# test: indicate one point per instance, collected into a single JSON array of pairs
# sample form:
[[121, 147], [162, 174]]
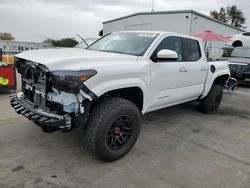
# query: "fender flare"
[[112, 85], [211, 79]]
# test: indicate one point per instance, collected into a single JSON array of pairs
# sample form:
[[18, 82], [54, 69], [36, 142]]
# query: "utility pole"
[[153, 2]]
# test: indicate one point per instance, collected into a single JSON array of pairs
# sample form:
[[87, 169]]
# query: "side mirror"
[[167, 55]]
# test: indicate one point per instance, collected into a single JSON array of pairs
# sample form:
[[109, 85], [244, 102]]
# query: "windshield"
[[125, 43], [237, 52]]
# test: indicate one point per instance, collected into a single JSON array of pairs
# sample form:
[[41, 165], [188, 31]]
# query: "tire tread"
[[205, 104], [97, 116]]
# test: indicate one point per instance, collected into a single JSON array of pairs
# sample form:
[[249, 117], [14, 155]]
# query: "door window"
[[170, 43], [191, 50]]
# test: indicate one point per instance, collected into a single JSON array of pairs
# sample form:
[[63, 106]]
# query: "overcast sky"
[[36, 20]]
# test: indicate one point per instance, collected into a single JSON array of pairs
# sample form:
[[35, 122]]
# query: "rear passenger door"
[[196, 68]]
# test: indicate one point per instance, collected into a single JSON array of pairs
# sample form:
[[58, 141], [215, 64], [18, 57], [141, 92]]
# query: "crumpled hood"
[[74, 58]]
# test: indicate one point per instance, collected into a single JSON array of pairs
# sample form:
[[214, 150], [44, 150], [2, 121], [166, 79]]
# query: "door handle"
[[183, 69], [203, 68]]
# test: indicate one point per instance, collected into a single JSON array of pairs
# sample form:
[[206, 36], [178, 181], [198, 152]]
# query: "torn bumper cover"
[[47, 120]]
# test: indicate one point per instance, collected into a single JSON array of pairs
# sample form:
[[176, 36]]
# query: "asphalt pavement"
[[178, 147]]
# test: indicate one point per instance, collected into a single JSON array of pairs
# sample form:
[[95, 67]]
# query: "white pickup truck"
[[106, 88]]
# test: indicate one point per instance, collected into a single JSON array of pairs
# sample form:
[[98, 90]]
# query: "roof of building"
[[173, 12]]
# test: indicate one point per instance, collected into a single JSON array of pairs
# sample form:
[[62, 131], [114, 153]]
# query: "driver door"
[[168, 78]]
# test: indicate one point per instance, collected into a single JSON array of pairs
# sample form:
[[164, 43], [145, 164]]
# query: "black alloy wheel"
[[119, 133]]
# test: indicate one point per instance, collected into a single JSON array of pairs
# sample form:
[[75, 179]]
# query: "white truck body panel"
[[163, 84], [221, 69]]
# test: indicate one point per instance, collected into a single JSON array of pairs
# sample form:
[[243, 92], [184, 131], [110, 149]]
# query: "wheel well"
[[221, 80], [133, 94], [237, 43]]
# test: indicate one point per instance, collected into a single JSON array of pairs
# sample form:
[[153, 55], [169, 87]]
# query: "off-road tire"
[[100, 123], [211, 102]]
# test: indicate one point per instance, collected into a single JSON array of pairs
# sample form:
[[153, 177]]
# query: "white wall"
[[159, 22], [177, 22]]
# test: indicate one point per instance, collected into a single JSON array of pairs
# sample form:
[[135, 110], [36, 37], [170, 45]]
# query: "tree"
[[50, 41], [230, 15], [6, 36], [66, 42]]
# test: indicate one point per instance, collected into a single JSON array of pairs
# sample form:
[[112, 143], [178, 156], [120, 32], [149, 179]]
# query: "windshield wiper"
[[111, 51]]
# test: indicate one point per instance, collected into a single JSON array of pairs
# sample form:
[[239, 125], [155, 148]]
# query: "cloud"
[[36, 20]]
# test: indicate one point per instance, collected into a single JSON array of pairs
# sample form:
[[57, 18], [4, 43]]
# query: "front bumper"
[[47, 120], [239, 70]]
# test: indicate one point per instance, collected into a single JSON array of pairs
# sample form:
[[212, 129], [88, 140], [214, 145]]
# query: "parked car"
[[239, 62], [107, 87], [242, 39], [83, 44]]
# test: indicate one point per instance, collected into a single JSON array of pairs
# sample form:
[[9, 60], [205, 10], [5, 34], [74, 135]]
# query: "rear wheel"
[[211, 103], [113, 128]]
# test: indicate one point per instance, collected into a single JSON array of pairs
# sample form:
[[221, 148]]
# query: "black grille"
[[237, 69], [34, 84]]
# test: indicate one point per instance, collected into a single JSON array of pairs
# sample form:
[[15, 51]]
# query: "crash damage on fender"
[[53, 99]]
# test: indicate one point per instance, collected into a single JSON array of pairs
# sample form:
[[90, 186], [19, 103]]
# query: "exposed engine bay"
[[71, 103], [59, 92]]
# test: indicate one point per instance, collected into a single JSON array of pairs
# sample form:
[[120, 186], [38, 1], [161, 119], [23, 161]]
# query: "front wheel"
[[211, 103], [113, 128]]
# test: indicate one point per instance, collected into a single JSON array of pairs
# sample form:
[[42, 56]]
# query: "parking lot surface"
[[178, 147]]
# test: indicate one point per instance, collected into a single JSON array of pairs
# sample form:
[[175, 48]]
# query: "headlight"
[[70, 80]]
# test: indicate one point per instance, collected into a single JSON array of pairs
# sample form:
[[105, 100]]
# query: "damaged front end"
[[53, 100]]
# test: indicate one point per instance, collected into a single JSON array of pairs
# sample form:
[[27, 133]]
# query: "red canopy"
[[211, 36]]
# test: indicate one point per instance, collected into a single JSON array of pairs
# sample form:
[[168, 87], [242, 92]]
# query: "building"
[[17, 46], [189, 22], [182, 21]]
